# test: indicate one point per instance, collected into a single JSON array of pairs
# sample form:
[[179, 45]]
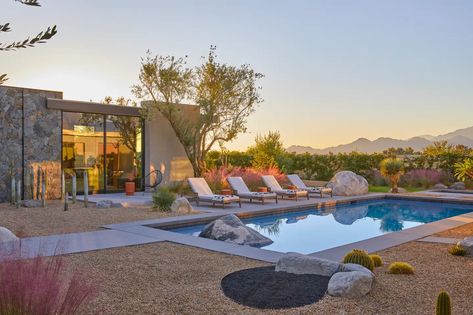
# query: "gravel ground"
[[166, 278], [53, 220], [459, 232]]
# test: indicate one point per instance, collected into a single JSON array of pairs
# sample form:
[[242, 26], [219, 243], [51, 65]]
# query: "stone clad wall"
[[24, 118]]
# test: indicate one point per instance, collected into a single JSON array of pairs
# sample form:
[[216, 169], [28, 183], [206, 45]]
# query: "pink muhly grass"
[[217, 178], [40, 286]]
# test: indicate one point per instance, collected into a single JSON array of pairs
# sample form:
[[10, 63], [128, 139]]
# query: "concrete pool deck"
[[150, 231]]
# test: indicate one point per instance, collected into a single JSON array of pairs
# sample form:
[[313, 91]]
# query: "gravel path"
[[166, 278], [53, 220]]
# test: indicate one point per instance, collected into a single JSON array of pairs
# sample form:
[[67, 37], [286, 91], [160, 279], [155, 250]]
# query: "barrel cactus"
[[400, 268], [360, 257], [377, 261], [457, 250], [444, 306]]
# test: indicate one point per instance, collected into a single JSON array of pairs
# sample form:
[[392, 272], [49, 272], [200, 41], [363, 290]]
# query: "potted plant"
[[130, 186]]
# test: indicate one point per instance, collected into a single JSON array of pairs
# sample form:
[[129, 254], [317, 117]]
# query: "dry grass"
[[463, 231], [53, 220], [166, 278]]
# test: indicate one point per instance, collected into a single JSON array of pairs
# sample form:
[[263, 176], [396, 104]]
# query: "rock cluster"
[[347, 280], [230, 229]]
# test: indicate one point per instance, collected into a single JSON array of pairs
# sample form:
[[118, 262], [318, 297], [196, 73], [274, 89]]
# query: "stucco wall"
[[30, 135], [163, 151]]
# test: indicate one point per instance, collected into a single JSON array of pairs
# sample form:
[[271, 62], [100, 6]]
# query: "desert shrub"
[[423, 177], [457, 250], [41, 286], [443, 306], [163, 199], [180, 187], [392, 168], [360, 257], [377, 260], [400, 268]]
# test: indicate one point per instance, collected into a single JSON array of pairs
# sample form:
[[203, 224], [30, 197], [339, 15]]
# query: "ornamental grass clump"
[[457, 250], [400, 268], [377, 260], [360, 257], [163, 199], [41, 286], [444, 306]]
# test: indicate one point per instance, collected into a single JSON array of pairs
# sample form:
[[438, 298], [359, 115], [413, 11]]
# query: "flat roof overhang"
[[91, 107]]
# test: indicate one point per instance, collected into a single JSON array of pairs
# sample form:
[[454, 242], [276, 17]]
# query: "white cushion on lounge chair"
[[199, 186], [255, 194], [220, 198], [273, 184], [238, 185], [297, 181]]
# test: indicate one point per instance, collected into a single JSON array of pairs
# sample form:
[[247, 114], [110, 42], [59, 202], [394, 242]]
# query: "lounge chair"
[[297, 181], [204, 194], [241, 190], [274, 186]]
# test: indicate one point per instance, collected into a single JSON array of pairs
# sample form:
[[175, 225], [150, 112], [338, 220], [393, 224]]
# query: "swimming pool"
[[314, 230]]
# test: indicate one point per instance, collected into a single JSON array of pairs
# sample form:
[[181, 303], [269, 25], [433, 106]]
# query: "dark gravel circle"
[[267, 289]]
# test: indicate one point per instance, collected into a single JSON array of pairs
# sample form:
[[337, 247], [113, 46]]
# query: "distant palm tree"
[[392, 168]]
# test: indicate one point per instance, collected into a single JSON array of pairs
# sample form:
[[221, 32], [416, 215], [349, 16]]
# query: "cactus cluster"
[[443, 304], [400, 268], [457, 250], [377, 261], [360, 257]]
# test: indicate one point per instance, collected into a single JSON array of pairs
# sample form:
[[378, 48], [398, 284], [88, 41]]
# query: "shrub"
[[400, 268], [180, 188], [163, 199], [360, 257], [457, 250], [41, 286], [424, 178], [377, 261], [444, 306]]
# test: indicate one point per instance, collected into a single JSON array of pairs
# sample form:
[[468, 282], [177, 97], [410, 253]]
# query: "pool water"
[[313, 230]]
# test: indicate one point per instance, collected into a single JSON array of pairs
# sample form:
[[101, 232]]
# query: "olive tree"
[[226, 96], [40, 38]]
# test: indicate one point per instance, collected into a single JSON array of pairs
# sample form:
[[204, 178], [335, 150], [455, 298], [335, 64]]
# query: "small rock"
[[347, 183], [104, 204], [6, 235], [303, 264], [182, 206], [230, 229], [457, 186], [467, 244], [400, 190], [440, 186], [32, 203], [351, 284]]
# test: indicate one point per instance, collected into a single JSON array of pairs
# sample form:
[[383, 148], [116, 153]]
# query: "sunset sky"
[[334, 70]]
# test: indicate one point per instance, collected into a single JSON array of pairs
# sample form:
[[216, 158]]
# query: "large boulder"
[[304, 264], [6, 235], [457, 186], [355, 267], [230, 229], [181, 206], [347, 183], [348, 215], [467, 244], [351, 284]]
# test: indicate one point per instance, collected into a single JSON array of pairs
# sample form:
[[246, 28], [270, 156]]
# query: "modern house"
[[39, 129]]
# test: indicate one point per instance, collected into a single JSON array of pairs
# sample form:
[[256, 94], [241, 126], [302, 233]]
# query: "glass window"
[[124, 152], [82, 150]]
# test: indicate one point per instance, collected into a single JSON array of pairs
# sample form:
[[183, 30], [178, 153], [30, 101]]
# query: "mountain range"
[[461, 136]]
